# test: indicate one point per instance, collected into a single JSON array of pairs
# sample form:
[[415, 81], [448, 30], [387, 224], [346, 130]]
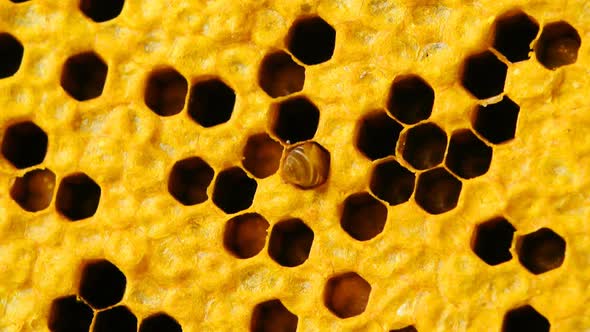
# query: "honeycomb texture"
[[142, 173]]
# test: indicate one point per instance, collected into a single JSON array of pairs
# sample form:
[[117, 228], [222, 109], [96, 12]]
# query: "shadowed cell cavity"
[[101, 10], [68, 314], [424, 146], [437, 191], [272, 316], [11, 55], [159, 322], [391, 182], [233, 190], [189, 180], [558, 45], [377, 135], [262, 155], [514, 33], [211, 102], [294, 120], [363, 216], [34, 190], [290, 242], [24, 144], [245, 235], [525, 318], [497, 122], [84, 75], [102, 284], [492, 240], [468, 157], [346, 295], [410, 99], [77, 197], [484, 75], [165, 91], [541, 251], [279, 75], [311, 40]]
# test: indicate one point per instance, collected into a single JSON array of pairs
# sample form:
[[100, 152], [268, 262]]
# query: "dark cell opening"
[[484, 75], [363, 217], [67, 314], [410, 99], [101, 10], [272, 316], [102, 284], [77, 197], [34, 191], [525, 318], [558, 45], [279, 75], [245, 235], [159, 322], [437, 191], [290, 242], [117, 319], [262, 155], [294, 120], [189, 180], [410, 328], [211, 102], [311, 40], [423, 146], [165, 92], [24, 144], [377, 135], [468, 156], [11, 55], [392, 182], [83, 76], [492, 240], [541, 251], [514, 34], [306, 166], [18, 1], [234, 191], [347, 295], [496, 122]]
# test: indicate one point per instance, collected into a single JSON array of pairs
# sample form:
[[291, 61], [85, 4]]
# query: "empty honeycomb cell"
[[233, 190], [363, 217], [24, 144], [492, 240], [18, 1], [290, 242], [311, 40], [101, 10], [410, 328], [262, 155], [541, 251], [558, 45], [424, 146], [68, 314], [306, 166], [294, 120], [514, 33], [77, 197], [165, 91], [346, 295], [159, 322], [279, 75], [437, 191], [525, 318], [392, 182], [211, 102], [84, 75], [11, 55], [189, 180], [117, 319], [496, 122], [272, 316], [34, 190], [484, 75], [377, 135], [468, 157], [245, 235], [102, 284], [410, 99]]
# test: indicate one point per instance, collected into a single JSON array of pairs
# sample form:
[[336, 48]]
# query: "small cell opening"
[[437, 191], [363, 217], [347, 295], [165, 92], [245, 235], [234, 191], [24, 144], [484, 75], [18, 1], [189, 180], [77, 197], [34, 191], [159, 322], [295, 120], [410, 99], [290, 242], [410, 328], [468, 156], [424, 146], [211, 103], [117, 319], [11, 55], [558, 45], [541, 251], [312, 40], [272, 316], [492, 241], [514, 34], [83, 76], [67, 314], [279, 75], [392, 182], [262, 155], [102, 284], [101, 10], [525, 318], [496, 122], [377, 135]]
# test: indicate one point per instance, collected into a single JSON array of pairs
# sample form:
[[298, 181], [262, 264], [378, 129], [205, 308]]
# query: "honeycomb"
[[308, 165]]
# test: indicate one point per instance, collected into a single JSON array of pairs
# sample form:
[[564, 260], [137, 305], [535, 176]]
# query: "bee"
[[306, 165]]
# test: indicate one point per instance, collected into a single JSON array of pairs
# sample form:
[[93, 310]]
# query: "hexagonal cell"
[[77, 197], [34, 191], [211, 102], [189, 180], [410, 328], [377, 135], [311, 40], [294, 120], [234, 191], [410, 99], [102, 284], [541, 251], [24, 144], [437, 191], [11, 55], [272, 316], [306, 166], [363, 217], [558, 45], [484, 75], [101, 10], [514, 33], [468, 157], [245, 235], [290, 242], [525, 318], [165, 91], [496, 122], [117, 319], [159, 322], [346, 295], [18, 1], [84, 75], [262, 155], [392, 182], [68, 314], [492, 240], [279, 75], [424, 146]]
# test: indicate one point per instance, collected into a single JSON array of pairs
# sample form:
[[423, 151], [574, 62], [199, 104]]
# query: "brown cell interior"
[[83, 76], [392, 182], [437, 191], [165, 92], [377, 135], [311, 40], [492, 240], [541, 251], [514, 33], [245, 235], [272, 316], [189, 180], [497, 122], [117, 319], [558, 45], [233, 190], [363, 217], [294, 120], [101, 10], [424, 146], [11, 55], [262, 155], [34, 191], [279, 75], [159, 322], [102, 284], [211, 102], [468, 157], [347, 295], [290, 242], [484, 75], [24, 144], [77, 197], [410, 99]]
